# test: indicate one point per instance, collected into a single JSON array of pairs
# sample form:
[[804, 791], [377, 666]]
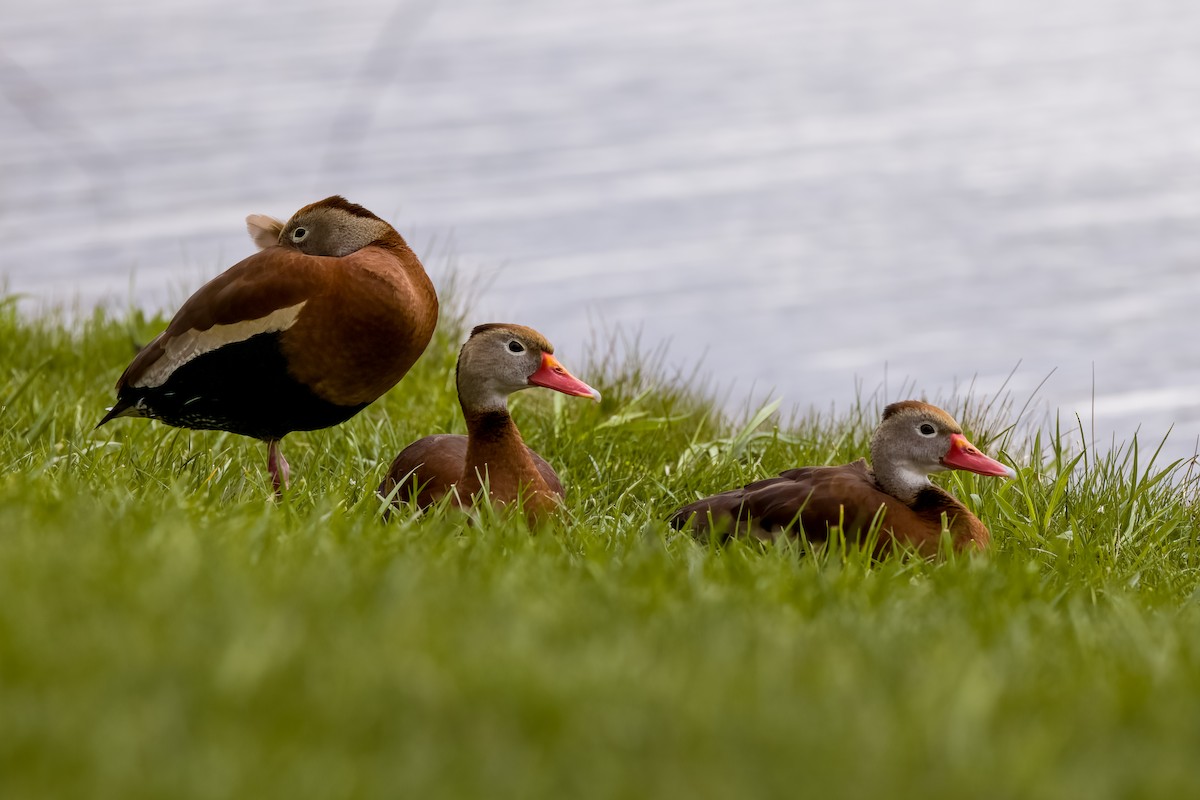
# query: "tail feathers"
[[263, 230], [123, 408]]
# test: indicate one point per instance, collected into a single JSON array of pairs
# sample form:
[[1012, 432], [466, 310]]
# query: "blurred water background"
[[805, 195]]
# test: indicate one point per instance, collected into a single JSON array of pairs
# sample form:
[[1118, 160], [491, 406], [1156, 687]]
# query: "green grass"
[[167, 630]]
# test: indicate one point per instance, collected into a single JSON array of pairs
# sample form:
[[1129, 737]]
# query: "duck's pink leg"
[[278, 467]]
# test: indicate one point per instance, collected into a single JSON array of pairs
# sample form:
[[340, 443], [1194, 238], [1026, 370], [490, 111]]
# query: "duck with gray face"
[[498, 360], [913, 440], [302, 335]]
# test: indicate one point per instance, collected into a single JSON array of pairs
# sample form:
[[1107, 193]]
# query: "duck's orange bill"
[[554, 375], [964, 455]]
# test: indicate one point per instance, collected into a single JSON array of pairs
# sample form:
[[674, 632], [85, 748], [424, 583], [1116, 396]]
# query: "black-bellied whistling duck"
[[302, 335], [913, 440], [497, 360]]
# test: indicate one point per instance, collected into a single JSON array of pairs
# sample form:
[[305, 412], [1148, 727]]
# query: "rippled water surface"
[[809, 194]]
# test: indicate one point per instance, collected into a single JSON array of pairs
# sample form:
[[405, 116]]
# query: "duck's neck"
[[900, 479], [497, 454]]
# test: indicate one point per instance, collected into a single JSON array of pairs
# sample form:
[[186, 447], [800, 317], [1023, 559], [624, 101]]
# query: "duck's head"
[[332, 227], [501, 358], [915, 439]]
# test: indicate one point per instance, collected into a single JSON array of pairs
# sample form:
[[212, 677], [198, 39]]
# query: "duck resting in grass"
[[913, 440], [497, 360]]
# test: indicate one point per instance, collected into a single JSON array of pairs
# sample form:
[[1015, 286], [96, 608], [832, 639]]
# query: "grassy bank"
[[166, 630]]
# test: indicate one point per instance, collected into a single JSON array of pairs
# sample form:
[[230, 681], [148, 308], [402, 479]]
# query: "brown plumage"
[[913, 440], [299, 336], [497, 360]]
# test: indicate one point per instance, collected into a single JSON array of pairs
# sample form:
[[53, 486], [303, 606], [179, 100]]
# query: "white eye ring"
[[926, 430], [516, 347], [299, 234]]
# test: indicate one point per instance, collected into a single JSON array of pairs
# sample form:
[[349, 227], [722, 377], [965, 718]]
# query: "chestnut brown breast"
[[370, 318], [430, 468]]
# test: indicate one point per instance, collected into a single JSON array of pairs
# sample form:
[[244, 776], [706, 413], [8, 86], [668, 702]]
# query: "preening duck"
[[497, 360], [913, 440], [303, 335]]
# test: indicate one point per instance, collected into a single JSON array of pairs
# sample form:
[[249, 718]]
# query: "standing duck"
[[302, 335], [913, 440], [497, 360]]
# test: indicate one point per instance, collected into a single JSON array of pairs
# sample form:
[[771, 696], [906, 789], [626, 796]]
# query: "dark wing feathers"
[[813, 497], [426, 469], [548, 474], [251, 289]]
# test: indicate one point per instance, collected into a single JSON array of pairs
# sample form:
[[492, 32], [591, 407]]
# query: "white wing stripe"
[[181, 349]]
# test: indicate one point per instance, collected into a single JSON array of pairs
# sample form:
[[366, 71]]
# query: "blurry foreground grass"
[[168, 631]]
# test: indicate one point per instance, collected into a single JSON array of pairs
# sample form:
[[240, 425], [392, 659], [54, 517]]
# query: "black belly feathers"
[[243, 387]]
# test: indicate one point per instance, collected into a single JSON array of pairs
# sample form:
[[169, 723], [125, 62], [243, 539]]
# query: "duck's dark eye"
[[927, 429], [299, 234], [516, 347]]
